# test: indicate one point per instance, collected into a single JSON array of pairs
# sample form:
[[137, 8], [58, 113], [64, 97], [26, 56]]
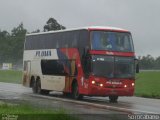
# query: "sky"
[[141, 17]]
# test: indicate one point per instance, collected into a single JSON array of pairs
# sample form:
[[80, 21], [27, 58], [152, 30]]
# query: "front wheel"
[[75, 92], [66, 94], [113, 99]]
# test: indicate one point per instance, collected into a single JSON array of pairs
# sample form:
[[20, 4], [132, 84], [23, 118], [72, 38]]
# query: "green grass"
[[148, 84], [11, 76], [27, 112]]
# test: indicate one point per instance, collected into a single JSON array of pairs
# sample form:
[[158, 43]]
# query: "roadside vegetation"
[[12, 41], [27, 112], [148, 84], [10, 76]]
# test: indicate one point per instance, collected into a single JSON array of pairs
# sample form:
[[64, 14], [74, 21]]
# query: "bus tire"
[[33, 85], [113, 99], [65, 94], [45, 92], [75, 92], [38, 87]]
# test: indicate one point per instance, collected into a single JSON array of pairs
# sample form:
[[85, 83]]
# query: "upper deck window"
[[112, 41]]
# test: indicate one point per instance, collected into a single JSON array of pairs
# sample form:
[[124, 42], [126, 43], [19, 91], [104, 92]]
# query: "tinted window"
[[52, 67], [124, 67], [58, 67], [69, 39], [103, 66], [113, 67]]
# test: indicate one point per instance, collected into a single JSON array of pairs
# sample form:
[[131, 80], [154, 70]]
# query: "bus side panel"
[[49, 82], [75, 68]]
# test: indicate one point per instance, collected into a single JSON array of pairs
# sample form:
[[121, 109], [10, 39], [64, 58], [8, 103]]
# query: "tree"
[[36, 31], [52, 24], [17, 42], [19, 30], [147, 62], [4, 34], [157, 63]]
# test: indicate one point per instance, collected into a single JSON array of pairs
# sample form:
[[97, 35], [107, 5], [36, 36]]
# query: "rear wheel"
[[39, 90], [45, 92], [38, 87], [33, 85], [75, 91], [113, 99]]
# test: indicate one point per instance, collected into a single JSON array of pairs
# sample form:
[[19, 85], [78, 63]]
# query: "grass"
[[27, 112], [10, 76], [148, 84]]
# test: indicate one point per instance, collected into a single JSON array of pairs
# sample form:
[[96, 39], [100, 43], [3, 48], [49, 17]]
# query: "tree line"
[[148, 62], [12, 43]]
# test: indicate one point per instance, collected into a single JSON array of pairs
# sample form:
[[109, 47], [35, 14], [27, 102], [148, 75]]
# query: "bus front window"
[[103, 66], [113, 67], [124, 67], [113, 41]]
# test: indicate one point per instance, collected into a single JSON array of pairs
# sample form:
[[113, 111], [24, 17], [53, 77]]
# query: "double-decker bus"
[[90, 61]]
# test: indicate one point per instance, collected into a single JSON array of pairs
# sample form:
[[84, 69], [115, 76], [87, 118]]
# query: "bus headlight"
[[101, 85], [125, 86], [132, 84], [93, 82]]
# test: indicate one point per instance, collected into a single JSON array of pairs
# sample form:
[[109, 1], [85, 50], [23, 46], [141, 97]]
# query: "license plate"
[[114, 82]]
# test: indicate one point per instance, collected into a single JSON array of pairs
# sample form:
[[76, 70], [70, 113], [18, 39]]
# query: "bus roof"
[[83, 28]]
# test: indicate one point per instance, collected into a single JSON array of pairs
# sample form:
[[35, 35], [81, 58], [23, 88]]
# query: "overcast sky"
[[141, 17]]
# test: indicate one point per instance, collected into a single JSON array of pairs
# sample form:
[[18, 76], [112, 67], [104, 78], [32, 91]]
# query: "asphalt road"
[[96, 107]]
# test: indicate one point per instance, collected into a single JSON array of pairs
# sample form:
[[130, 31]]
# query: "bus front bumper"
[[102, 91]]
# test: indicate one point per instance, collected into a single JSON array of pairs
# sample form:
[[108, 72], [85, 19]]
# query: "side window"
[[75, 39], [127, 45], [95, 39], [58, 67], [52, 67]]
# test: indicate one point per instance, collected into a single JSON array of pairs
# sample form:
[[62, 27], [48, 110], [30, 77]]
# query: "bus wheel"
[[75, 92], [33, 85], [38, 87], [113, 99], [45, 92]]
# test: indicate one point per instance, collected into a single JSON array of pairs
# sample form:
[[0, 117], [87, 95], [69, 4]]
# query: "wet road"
[[90, 105]]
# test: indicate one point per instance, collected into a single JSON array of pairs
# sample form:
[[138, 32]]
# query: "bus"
[[89, 61]]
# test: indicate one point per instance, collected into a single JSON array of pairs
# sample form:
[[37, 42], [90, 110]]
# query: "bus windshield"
[[113, 67], [112, 41]]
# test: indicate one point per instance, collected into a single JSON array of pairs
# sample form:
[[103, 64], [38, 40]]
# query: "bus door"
[[26, 73], [71, 75]]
